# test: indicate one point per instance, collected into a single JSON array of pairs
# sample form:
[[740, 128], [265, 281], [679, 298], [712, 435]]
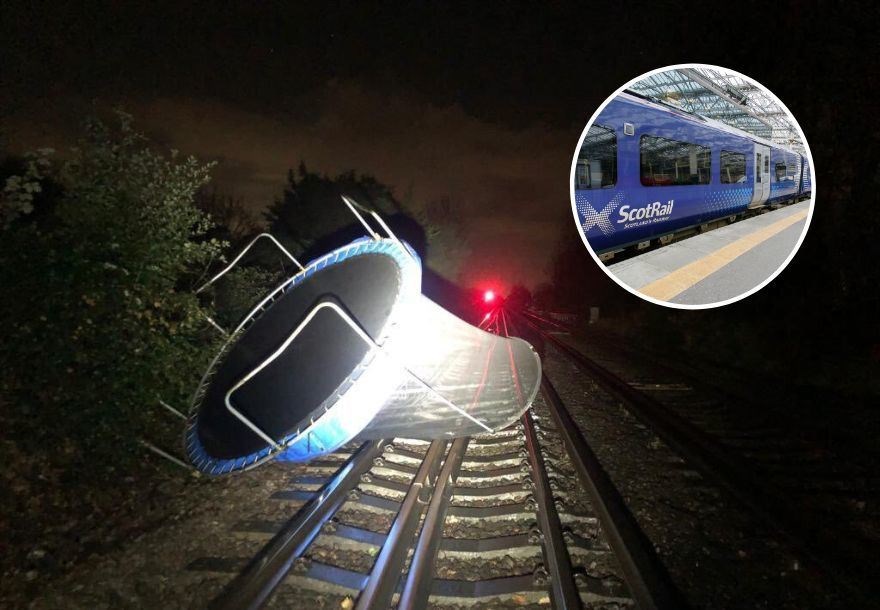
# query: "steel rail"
[[417, 587], [534, 316], [702, 451], [386, 570], [252, 588], [563, 588], [647, 578]]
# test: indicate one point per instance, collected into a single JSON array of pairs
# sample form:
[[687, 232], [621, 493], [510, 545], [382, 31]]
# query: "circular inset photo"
[[692, 186]]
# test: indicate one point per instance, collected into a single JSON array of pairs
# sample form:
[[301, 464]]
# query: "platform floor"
[[717, 265]]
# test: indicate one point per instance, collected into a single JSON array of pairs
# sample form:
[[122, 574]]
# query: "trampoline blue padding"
[[322, 389]]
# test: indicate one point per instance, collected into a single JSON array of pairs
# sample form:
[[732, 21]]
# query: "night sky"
[[482, 106]]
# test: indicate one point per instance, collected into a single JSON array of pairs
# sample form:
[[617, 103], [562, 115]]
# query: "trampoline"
[[349, 348]]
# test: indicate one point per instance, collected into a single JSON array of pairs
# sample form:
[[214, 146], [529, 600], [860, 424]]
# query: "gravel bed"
[[369, 518], [483, 566], [469, 468], [505, 499], [478, 450], [717, 554], [298, 592], [530, 600], [488, 527], [602, 565], [343, 553], [150, 571], [465, 480]]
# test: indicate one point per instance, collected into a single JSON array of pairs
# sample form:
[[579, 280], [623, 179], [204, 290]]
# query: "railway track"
[[522, 517], [786, 478], [571, 507]]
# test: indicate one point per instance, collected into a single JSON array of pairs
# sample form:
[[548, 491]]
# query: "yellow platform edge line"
[[676, 282]]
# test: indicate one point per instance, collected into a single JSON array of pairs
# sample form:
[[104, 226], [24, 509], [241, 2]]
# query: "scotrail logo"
[[592, 218], [627, 215], [651, 211]]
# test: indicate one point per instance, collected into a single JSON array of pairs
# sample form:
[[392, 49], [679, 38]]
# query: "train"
[[648, 172]]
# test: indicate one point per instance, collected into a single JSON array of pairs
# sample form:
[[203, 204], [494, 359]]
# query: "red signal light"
[[489, 296]]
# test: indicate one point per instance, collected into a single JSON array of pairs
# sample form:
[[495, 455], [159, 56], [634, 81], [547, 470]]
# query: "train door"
[[804, 183], [801, 162], [762, 176]]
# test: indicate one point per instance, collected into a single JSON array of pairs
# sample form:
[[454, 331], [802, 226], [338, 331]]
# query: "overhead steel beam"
[[695, 76]]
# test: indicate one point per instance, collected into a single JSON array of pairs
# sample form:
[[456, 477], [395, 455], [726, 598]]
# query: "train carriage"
[[647, 171]]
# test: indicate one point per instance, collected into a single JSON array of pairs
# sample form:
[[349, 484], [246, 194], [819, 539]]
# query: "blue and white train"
[[647, 171]]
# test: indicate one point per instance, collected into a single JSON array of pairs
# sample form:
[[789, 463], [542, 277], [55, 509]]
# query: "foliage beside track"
[[99, 251], [99, 315]]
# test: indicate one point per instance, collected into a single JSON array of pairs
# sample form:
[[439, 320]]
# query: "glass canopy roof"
[[726, 97]]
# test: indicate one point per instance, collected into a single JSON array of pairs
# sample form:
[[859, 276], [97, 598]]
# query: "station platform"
[[717, 265]]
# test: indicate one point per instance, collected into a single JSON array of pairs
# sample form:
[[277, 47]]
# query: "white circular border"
[[769, 278]]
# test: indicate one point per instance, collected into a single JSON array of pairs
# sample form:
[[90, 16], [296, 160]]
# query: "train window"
[[669, 162], [766, 164], [780, 172], [597, 160], [733, 167], [758, 169]]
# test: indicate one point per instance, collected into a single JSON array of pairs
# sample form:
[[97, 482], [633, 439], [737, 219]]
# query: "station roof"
[[726, 97]]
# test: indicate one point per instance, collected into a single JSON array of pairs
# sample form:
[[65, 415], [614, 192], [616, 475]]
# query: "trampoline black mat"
[[283, 396]]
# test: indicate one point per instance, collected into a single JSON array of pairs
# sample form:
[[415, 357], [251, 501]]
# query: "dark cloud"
[[507, 184], [478, 103]]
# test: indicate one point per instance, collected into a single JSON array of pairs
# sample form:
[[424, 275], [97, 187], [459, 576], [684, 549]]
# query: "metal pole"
[[697, 77], [243, 252]]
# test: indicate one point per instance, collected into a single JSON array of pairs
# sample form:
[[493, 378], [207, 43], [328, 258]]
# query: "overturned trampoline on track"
[[349, 348]]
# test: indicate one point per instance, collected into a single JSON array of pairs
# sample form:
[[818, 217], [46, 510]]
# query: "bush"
[[99, 315]]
